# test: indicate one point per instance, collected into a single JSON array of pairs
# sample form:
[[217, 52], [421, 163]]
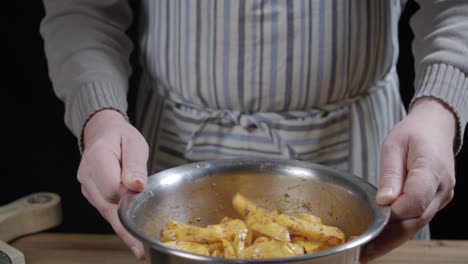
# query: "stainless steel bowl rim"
[[381, 220]]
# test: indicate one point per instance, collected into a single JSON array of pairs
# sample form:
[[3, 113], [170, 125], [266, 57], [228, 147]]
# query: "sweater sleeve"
[[440, 49], [88, 52]]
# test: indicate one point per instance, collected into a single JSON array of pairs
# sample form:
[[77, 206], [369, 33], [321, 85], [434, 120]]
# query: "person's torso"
[[268, 55]]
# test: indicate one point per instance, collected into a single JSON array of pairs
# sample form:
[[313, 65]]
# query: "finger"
[[392, 171], [419, 191], [135, 245], [102, 166], [109, 212], [134, 159]]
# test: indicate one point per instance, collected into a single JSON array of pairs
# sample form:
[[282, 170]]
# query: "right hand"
[[113, 162]]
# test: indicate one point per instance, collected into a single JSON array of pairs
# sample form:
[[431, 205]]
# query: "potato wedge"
[[249, 238], [263, 224], [212, 247], [331, 235], [244, 206], [225, 219], [310, 218], [310, 246], [217, 254], [271, 249], [168, 235], [190, 233], [229, 229], [261, 234], [228, 249], [263, 239], [189, 247]]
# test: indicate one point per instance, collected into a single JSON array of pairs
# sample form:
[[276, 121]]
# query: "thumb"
[[392, 172], [134, 159]]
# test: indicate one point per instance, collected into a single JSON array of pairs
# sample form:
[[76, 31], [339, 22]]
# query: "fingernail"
[[135, 178], [136, 182], [387, 191], [141, 184], [136, 251]]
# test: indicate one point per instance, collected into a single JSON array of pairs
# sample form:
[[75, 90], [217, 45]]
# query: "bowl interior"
[[202, 194]]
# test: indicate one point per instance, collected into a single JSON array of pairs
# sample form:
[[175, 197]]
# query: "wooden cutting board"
[[48, 248], [40, 211]]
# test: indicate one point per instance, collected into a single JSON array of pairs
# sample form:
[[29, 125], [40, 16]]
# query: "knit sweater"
[[88, 55]]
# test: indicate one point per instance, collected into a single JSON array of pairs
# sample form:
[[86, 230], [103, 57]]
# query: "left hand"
[[417, 175]]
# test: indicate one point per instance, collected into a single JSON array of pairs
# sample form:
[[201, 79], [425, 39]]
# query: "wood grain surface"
[[52, 248]]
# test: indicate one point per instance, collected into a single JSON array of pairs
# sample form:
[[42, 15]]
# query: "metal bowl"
[[201, 193]]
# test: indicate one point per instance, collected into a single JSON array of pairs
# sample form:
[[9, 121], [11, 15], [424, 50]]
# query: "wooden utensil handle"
[[10, 255], [30, 214]]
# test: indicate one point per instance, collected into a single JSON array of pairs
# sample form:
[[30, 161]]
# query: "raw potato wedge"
[[228, 249], [310, 218], [229, 229], [213, 247], [261, 234], [168, 235], [263, 224], [272, 249], [234, 231], [190, 247], [263, 239], [310, 246], [244, 206], [217, 254], [331, 235], [190, 233]]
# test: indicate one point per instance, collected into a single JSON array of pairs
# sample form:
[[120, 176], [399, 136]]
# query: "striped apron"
[[310, 80]]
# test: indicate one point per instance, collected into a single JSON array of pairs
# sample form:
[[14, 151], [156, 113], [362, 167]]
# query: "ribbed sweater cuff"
[[449, 85], [91, 98]]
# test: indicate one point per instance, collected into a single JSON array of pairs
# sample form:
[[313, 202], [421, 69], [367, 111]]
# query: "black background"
[[40, 154]]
